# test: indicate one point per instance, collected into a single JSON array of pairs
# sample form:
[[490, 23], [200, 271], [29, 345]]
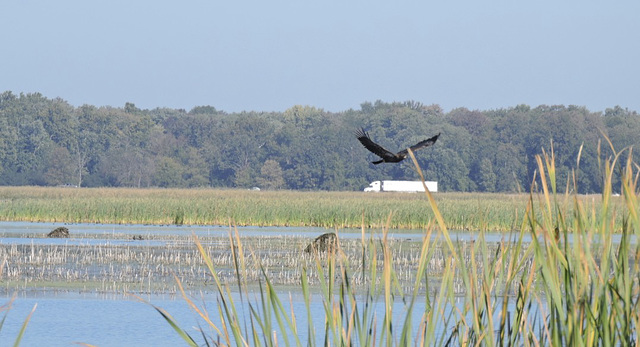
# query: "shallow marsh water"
[[69, 312], [112, 320], [101, 320], [76, 307], [143, 259]]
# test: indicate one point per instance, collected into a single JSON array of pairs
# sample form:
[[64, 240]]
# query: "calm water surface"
[[63, 320], [117, 321]]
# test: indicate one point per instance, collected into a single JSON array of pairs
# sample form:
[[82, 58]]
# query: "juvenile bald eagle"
[[387, 156]]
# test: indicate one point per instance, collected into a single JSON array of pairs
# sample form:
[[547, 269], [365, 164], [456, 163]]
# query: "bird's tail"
[[377, 162]]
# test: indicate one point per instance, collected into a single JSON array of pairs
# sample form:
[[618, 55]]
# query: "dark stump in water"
[[322, 243], [59, 232]]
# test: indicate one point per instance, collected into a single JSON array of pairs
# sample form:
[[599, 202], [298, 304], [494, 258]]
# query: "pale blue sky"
[[334, 55]]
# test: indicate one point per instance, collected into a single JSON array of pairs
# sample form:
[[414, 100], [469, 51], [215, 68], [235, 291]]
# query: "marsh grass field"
[[461, 211]]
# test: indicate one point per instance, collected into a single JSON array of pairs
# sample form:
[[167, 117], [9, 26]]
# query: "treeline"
[[50, 142]]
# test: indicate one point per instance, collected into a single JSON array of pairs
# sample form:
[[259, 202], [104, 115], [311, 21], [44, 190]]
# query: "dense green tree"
[[623, 127], [271, 175], [7, 140], [487, 178], [59, 169], [92, 138], [448, 169], [509, 168], [167, 173]]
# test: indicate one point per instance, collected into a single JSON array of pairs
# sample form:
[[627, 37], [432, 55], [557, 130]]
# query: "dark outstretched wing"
[[375, 148], [421, 144]]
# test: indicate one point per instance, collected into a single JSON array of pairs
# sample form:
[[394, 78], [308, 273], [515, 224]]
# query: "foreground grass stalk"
[[590, 295], [24, 326]]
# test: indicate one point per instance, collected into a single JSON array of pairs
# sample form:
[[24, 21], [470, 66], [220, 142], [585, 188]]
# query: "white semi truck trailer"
[[401, 186]]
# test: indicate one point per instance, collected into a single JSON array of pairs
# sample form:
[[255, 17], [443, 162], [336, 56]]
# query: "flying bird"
[[386, 155]]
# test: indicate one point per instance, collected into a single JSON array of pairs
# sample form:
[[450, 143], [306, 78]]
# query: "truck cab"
[[375, 186]]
